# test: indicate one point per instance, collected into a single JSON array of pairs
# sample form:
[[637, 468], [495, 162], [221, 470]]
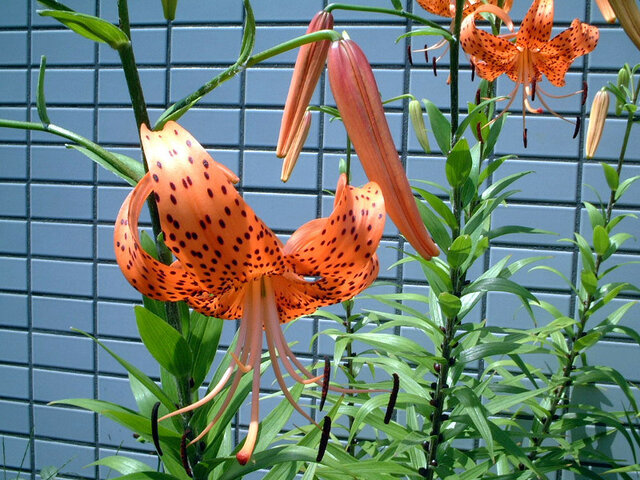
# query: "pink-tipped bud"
[[296, 147], [356, 93], [306, 73]]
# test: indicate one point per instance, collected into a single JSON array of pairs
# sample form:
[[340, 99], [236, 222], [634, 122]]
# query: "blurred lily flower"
[[230, 265], [533, 54], [606, 11], [628, 15]]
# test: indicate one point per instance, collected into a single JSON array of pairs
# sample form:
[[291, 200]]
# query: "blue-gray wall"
[[57, 267]]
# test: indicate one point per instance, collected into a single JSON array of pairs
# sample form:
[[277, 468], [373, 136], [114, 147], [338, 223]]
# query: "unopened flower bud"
[[597, 117], [417, 122], [624, 80], [628, 15], [296, 147], [607, 12]]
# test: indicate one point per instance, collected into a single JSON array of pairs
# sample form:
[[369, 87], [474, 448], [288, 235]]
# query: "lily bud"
[[417, 122], [356, 93], [597, 117], [624, 80], [629, 17], [306, 73], [607, 12], [296, 147]]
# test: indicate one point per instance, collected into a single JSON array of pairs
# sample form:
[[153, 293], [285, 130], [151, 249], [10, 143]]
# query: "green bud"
[[624, 80], [417, 121]]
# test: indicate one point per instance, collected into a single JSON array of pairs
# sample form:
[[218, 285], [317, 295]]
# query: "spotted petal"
[[340, 248], [535, 29], [557, 55], [147, 275], [212, 231]]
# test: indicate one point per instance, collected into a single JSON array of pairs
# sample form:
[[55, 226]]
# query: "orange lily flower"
[[447, 8], [232, 266], [533, 54], [356, 93], [308, 68]]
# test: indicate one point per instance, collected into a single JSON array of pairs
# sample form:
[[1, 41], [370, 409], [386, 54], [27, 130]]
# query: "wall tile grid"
[[57, 268]]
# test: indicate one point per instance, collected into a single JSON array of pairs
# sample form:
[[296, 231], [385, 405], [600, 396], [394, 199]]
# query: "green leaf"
[[123, 465], [611, 175], [499, 185], [397, 4], [458, 164], [497, 348], [136, 372], [169, 9], [127, 168], [494, 134], [435, 226], [585, 251], [492, 167], [164, 343], [476, 411], [426, 31], [589, 281], [41, 103], [438, 205], [596, 216], [499, 284], [459, 250], [515, 229], [624, 186], [203, 340], [601, 240], [450, 304], [90, 27], [440, 126], [587, 341], [147, 476]]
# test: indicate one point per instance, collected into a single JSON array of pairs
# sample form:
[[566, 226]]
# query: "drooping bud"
[[597, 117], [417, 122], [296, 147], [306, 73], [357, 97], [607, 12], [628, 15]]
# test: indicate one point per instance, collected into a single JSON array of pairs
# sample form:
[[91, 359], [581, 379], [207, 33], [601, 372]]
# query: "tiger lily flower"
[[308, 68], [533, 54], [356, 93], [230, 265]]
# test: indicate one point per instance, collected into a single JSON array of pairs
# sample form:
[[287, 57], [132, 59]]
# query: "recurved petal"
[[437, 7], [358, 99], [340, 248], [212, 231], [147, 275], [535, 29], [558, 54], [306, 73], [492, 55]]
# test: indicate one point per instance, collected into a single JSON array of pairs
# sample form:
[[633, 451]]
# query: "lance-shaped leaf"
[[90, 27]]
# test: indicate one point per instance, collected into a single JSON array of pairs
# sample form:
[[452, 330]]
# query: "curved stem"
[[384, 11], [176, 110]]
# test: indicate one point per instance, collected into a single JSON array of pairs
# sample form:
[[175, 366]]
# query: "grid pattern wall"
[[57, 267]]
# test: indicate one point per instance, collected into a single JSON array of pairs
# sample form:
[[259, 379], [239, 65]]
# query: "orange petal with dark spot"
[[535, 29], [150, 277], [216, 236], [358, 99], [306, 73]]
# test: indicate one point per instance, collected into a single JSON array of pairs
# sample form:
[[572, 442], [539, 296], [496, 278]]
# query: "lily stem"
[[351, 448], [562, 390], [141, 114], [457, 276], [385, 11]]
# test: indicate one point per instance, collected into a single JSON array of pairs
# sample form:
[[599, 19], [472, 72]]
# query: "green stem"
[[176, 110], [385, 11], [457, 275], [106, 155], [561, 392], [351, 448]]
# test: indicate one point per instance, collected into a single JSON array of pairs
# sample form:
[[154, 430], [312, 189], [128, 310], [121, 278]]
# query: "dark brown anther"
[[524, 137], [426, 446], [325, 381], [437, 367], [534, 82], [479, 133], [409, 55], [578, 124], [392, 398], [183, 453], [585, 92], [473, 71], [154, 428], [324, 439], [478, 97], [434, 65], [426, 53]]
